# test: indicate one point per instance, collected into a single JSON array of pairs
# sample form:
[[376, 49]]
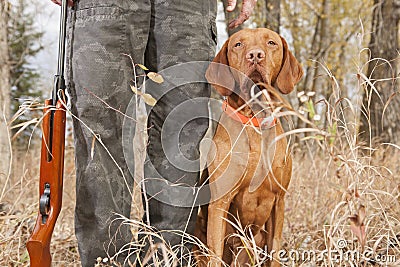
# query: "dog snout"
[[255, 55]]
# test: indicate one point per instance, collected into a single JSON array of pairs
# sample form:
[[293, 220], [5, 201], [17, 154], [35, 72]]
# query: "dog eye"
[[271, 43], [238, 44]]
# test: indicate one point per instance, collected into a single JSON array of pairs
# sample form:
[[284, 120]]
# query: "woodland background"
[[346, 181]]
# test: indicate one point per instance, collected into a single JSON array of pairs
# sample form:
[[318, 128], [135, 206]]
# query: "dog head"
[[254, 56]]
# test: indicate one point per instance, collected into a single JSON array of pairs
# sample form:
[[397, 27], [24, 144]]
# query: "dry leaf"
[[149, 100], [155, 77], [135, 90], [357, 225], [142, 67], [357, 195]]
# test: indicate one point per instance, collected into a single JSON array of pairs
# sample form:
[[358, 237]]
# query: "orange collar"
[[264, 123]]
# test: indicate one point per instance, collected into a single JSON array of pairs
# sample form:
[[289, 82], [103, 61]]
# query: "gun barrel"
[[59, 84]]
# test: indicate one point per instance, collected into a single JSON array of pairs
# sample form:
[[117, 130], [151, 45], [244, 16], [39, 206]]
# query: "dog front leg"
[[217, 214], [277, 225]]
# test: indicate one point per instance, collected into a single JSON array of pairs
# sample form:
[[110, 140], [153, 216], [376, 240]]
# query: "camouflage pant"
[[158, 34]]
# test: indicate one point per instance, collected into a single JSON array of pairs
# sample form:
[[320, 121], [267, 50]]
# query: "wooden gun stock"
[[50, 185]]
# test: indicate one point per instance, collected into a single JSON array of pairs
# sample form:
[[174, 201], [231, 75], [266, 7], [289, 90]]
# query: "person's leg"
[[100, 32], [181, 31]]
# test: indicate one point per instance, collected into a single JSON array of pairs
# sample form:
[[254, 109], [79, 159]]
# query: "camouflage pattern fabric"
[[158, 34]]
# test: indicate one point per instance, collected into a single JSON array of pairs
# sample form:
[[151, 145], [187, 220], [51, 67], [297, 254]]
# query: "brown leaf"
[[357, 225], [142, 67], [135, 90], [357, 195], [149, 100], [155, 77]]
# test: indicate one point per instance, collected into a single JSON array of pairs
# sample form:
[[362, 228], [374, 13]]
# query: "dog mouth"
[[256, 77], [257, 74]]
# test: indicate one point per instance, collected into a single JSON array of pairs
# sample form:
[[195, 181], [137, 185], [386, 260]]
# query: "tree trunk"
[[273, 17], [378, 124], [5, 152], [319, 82], [315, 78]]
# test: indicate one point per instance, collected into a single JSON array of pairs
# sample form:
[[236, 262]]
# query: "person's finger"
[[247, 10], [231, 5], [239, 20], [58, 2]]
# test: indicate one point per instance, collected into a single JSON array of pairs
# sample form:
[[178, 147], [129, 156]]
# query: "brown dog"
[[247, 180]]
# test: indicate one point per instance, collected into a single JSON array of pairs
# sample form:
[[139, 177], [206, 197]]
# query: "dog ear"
[[219, 75], [290, 73]]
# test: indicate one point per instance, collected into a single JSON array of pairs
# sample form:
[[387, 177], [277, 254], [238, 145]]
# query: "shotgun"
[[51, 161]]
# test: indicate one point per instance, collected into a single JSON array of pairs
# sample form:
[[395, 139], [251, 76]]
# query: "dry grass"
[[323, 196], [318, 205], [18, 211]]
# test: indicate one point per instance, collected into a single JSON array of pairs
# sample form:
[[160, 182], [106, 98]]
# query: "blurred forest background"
[[348, 49]]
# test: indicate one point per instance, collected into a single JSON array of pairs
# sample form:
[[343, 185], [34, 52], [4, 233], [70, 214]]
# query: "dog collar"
[[263, 123]]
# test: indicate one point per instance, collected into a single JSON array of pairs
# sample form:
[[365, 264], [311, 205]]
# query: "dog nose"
[[255, 55]]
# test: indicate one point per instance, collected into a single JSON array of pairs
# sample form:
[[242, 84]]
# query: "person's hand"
[[247, 9], [58, 2]]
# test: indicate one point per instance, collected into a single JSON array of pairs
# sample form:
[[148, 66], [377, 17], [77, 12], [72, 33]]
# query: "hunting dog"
[[247, 181]]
